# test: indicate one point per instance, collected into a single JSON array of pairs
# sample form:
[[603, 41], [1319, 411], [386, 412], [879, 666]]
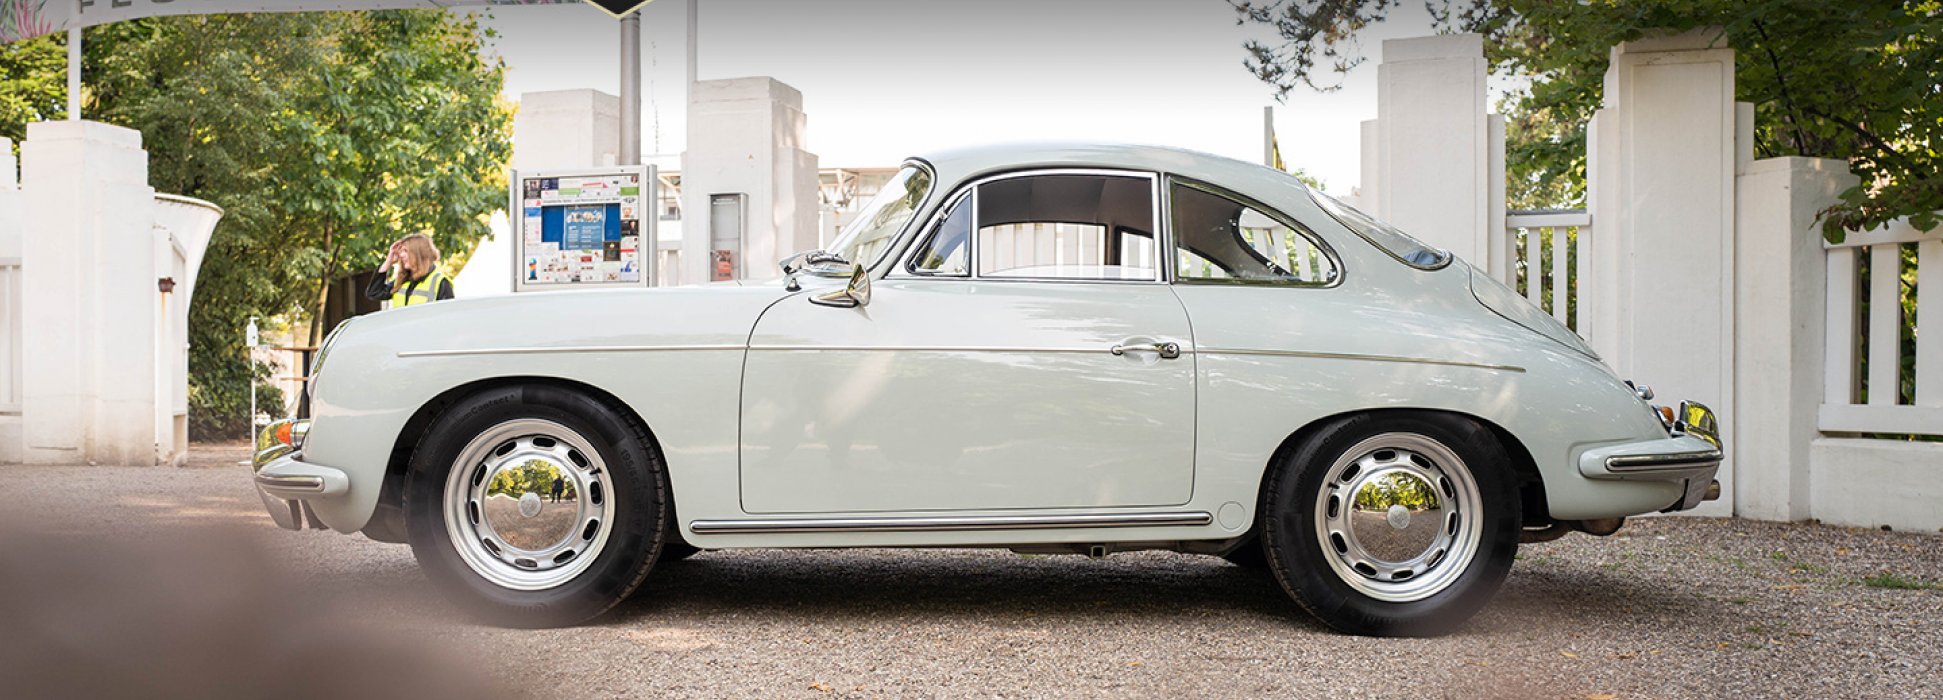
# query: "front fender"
[[672, 355]]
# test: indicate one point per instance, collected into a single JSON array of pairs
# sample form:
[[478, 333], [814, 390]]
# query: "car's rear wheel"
[[1393, 524], [536, 505]]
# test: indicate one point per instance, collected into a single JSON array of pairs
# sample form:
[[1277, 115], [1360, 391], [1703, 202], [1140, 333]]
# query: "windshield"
[[1392, 240], [870, 233]]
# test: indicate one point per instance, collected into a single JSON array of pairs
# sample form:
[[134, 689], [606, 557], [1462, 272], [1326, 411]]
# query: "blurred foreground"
[[163, 583]]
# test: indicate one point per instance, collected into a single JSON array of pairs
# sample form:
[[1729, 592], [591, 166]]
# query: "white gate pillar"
[[1661, 166], [1430, 171], [89, 297], [1780, 280], [746, 139]]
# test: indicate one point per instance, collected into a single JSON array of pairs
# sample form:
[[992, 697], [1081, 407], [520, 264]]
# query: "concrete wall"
[[1871, 483], [747, 136]]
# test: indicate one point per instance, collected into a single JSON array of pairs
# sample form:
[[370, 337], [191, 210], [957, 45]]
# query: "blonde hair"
[[423, 256]]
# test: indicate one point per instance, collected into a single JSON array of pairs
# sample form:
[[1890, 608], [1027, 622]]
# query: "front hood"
[[715, 316]]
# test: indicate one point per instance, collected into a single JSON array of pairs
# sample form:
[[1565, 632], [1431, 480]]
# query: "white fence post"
[[1779, 337]]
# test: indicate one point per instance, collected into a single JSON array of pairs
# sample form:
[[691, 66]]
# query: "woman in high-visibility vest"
[[418, 279]]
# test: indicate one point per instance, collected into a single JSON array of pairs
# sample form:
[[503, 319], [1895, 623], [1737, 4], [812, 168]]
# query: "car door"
[[1026, 356]]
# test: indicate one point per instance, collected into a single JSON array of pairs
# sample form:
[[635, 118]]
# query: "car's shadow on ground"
[[837, 587], [841, 585]]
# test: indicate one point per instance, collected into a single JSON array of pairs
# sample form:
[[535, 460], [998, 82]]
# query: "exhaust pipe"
[[1713, 491], [1601, 527]]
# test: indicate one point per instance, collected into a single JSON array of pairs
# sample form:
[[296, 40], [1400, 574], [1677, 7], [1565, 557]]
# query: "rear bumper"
[[1691, 454]]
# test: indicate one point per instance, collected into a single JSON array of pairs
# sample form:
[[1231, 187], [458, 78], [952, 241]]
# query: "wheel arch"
[[1531, 483], [387, 522]]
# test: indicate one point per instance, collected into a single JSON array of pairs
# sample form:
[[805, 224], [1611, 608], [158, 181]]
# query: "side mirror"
[[854, 294]]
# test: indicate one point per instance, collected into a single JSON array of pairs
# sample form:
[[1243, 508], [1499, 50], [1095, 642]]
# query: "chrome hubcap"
[[1399, 517], [527, 504]]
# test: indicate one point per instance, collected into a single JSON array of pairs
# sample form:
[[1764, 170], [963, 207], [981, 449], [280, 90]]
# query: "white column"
[[89, 297], [747, 136], [1662, 166], [1434, 143], [1779, 288], [567, 129], [1369, 186]]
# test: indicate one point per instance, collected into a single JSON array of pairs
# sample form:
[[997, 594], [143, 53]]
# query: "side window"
[[947, 250], [1219, 238], [1082, 227]]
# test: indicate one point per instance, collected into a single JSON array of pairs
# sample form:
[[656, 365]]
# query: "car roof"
[[956, 165]]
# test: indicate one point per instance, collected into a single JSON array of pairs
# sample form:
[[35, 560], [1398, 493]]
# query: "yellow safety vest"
[[426, 292]]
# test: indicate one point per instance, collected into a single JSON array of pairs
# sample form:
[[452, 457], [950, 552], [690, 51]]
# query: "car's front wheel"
[[1394, 523], [536, 505]]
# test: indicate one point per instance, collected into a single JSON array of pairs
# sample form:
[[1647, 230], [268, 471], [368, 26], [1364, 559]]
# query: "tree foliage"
[[33, 83], [322, 135], [1851, 80]]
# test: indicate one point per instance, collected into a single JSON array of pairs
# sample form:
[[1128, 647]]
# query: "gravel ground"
[[1670, 607]]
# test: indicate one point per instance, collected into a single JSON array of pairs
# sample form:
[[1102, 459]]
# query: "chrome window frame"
[[1163, 242], [898, 244], [1441, 264], [934, 224], [1293, 223]]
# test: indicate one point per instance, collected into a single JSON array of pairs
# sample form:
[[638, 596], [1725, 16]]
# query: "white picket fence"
[[1863, 390], [1549, 252], [10, 341]]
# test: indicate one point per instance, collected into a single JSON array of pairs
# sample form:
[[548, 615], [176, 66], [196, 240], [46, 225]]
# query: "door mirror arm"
[[854, 294]]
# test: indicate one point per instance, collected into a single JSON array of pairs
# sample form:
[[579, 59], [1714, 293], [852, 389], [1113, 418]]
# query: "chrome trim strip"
[[937, 348], [1674, 461], [1359, 356], [967, 522], [290, 483], [562, 349]]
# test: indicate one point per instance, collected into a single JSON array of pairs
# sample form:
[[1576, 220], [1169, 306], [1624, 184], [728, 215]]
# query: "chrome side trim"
[[563, 349], [1359, 356], [937, 348], [290, 484], [1674, 461], [967, 522]]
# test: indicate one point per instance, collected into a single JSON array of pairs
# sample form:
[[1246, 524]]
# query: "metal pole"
[[1268, 136], [694, 6], [631, 89], [74, 73]]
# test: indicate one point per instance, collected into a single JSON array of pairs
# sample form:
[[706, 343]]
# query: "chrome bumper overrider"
[[284, 481], [1691, 454]]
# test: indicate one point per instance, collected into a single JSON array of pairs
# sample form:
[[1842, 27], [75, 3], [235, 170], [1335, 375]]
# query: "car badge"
[[619, 8]]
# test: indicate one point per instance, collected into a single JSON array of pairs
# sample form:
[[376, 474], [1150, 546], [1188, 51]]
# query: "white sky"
[[885, 79]]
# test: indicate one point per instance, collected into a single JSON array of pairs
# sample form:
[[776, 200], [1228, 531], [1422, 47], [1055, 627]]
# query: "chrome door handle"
[[1167, 351]]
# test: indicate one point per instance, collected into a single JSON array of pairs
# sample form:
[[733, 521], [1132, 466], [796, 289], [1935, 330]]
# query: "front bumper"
[[286, 483], [1690, 454]]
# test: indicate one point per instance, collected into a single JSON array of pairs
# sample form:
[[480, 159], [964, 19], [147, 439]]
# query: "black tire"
[[634, 475], [1305, 559]]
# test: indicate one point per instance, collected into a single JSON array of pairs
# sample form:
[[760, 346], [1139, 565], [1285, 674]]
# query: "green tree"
[[33, 83], [1850, 80], [323, 136]]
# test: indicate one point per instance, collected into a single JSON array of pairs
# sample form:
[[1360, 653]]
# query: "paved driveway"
[[1672, 607]]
